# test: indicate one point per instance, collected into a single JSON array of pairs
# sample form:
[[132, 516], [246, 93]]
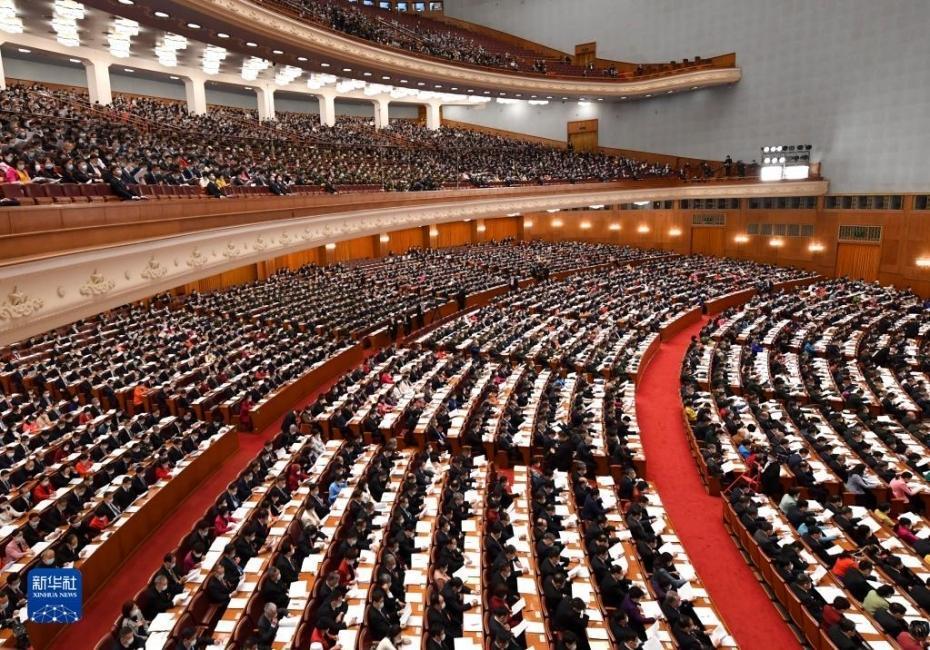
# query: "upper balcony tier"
[[416, 52]]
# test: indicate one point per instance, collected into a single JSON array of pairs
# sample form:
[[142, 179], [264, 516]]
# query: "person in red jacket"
[[43, 490], [346, 568]]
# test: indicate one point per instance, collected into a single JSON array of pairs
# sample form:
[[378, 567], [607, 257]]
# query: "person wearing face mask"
[[132, 618], [8, 514]]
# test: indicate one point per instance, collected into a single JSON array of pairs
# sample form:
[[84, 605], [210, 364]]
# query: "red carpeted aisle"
[[102, 610], [697, 517]]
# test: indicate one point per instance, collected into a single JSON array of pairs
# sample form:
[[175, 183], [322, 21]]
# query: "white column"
[[98, 81], [382, 118], [433, 116], [196, 92], [265, 97], [327, 109], [2, 75]]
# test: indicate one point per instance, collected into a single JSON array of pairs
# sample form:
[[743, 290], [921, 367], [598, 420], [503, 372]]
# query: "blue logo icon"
[[54, 595]]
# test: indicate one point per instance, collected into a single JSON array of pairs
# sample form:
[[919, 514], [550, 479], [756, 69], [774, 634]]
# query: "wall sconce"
[[642, 229], [816, 247], [481, 227], [527, 224], [674, 232], [615, 226], [433, 232], [556, 223], [923, 262], [330, 247], [585, 225], [741, 239], [776, 243], [384, 239]]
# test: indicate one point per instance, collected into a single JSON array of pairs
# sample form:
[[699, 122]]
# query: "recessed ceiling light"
[[173, 78], [251, 44], [565, 98], [421, 83], [347, 69], [277, 51], [162, 14], [366, 74], [301, 58], [437, 86], [454, 88], [624, 97], [519, 95], [600, 99], [324, 65], [222, 35], [548, 96], [648, 95], [403, 81], [128, 70], [248, 87], [487, 92], [670, 92], [126, 2], [75, 60], [24, 50], [193, 25], [385, 77]]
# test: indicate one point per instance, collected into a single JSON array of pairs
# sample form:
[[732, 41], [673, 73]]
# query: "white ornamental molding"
[[154, 269], [280, 29], [67, 287], [96, 285], [19, 305]]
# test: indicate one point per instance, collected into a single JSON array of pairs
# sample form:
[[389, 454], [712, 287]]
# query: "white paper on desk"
[[834, 550], [575, 570], [651, 609], [310, 564], [253, 566], [225, 626], [707, 616], [686, 571], [284, 634], [518, 606], [163, 622], [472, 623], [653, 630], [819, 572], [463, 643], [518, 629], [581, 590], [651, 643], [354, 614], [598, 633], [157, 640], [686, 592], [526, 585], [718, 635], [468, 526], [298, 589], [535, 627]]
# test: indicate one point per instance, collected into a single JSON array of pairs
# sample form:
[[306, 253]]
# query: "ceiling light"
[[366, 74], [527, 224], [347, 69], [222, 35], [211, 58], [24, 50], [251, 44], [481, 227], [252, 66], [551, 210], [287, 74], [330, 247], [126, 2], [65, 17], [434, 232], [167, 48], [302, 59], [120, 36], [128, 70], [75, 61], [438, 86], [513, 214], [173, 78], [10, 22], [624, 97], [385, 77], [193, 25], [384, 239], [421, 83], [162, 14], [694, 87]]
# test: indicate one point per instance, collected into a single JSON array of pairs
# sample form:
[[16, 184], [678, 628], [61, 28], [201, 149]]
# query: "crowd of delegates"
[[819, 393], [55, 136]]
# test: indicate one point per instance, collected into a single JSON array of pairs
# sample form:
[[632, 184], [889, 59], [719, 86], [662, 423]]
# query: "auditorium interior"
[[464, 325]]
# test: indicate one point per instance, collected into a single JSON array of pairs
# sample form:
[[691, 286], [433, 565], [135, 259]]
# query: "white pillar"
[[433, 117], [382, 119], [2, 75], [327, 109], [98, 82], [196, 92], [265, 97]]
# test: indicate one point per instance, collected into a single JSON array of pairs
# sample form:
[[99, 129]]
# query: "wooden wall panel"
[[455, 233], [403, 240], [497, 229], [241, 275], [355, 249], [708, 241], [858, 261]]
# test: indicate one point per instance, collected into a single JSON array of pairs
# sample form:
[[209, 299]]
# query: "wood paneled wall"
[[906, 238]]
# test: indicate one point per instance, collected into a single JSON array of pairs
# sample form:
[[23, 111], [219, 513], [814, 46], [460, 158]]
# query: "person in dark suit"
[[274, 589], [856, 580], [844, 635], [379, 623], [218, 590], [267, 626], [570, 616], [438, 640], [157, 598]]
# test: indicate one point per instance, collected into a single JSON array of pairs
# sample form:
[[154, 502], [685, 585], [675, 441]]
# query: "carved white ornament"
[[231, 251], [197, 259], [154, 270], [19, 305], [97, 285]]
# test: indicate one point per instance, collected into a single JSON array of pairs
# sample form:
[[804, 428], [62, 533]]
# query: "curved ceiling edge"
[[284, 29], [37, 296]]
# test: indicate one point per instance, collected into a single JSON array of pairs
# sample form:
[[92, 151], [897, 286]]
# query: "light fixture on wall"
[[481, 227], [741, 239], [775, 242], [527, 223], [384, 239], [585, 225], [674, 232], [433, 232], [643, 229], [556, 223], [816, 247], [922, 262], [614, 226], [331, 246]]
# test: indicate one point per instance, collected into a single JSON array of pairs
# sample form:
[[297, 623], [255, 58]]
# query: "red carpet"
[[697, 517], [102, 610]]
